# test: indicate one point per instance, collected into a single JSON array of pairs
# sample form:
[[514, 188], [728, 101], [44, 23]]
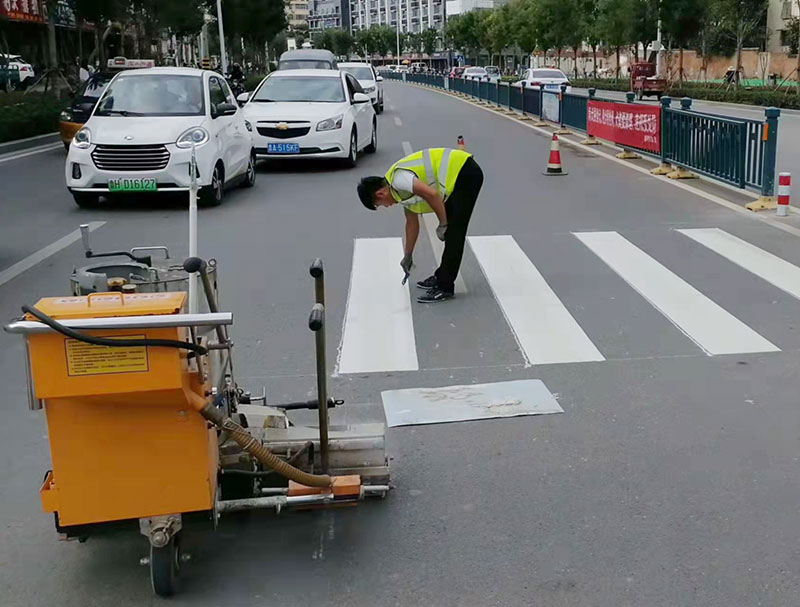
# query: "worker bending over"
[[437, 180]]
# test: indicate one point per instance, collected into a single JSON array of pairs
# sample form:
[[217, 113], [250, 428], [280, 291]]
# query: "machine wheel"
[[85, 200], [250, 174], [212, 195], [373, 143], [165, 564], [352, 157]]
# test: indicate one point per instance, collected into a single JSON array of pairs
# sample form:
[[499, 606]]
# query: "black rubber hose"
[[112, 343]]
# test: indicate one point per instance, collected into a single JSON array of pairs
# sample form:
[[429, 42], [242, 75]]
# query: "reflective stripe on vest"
[[437, 167]]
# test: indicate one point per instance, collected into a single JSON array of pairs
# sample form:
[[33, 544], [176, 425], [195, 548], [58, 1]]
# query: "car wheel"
[[373, 143], [85, 200], [352, 157], [212, 195], [250, 174]]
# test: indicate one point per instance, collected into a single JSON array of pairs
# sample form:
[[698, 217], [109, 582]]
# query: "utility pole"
[[658, 50], [222, 57], [399, 6]]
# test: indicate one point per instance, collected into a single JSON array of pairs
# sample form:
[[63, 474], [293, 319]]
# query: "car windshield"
[[300, 88], [547, 74], [305, 64], [153, 95], [361, 72]]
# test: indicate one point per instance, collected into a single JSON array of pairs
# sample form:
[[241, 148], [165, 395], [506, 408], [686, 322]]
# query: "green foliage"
[[429, 39], [28, 115]]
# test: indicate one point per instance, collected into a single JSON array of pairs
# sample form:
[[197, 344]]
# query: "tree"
[[414, 43], [429, 39], [592, 30], [681, 22], [644, 22], [613, 24], [741, 19], [462, 30], [523, 25], [498, 36], [383, 38], [341, 42]]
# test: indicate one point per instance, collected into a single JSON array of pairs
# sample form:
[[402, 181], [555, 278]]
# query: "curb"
[[29, 142]]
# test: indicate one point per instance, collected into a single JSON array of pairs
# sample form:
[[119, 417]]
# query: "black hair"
[[367, 188]]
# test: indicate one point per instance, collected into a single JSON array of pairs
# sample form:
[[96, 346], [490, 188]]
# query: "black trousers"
[[459, 208]]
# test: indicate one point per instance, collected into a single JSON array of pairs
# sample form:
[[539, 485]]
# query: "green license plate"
[[132, 185]]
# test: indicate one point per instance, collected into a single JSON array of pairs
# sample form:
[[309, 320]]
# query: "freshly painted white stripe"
[[24, 154], [703, 321], [42, 254], [763, 264], [545, 330], [397, 121], [378, 333], [407, 149]]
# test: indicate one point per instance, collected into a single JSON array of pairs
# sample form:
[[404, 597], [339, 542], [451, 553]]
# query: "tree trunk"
[[575, 50], [797, 72], [558, 57], [618, 66], [680, 66], [594, 60], [636, 52], [52, 52]]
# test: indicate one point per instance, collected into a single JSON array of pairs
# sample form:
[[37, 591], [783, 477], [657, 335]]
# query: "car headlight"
[[195, 135], [369, 89], [66, 116], [82, 139], [331, 123], [248, 126]]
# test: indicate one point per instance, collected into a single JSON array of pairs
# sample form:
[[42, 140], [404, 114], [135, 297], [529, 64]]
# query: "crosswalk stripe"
[[763, 264], [378, 332], [707, 324], [545, 330]]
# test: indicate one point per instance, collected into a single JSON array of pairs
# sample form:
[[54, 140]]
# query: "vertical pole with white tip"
[[193, 229]]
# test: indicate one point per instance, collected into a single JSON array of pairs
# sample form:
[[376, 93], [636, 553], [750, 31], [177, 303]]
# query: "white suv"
[[139, 137], [369, 81], [22, 68]]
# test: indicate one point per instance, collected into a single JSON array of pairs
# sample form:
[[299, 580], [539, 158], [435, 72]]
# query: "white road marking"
[[709, 325], [431, 223], [378, 332], [397, 121], [773, 269], [545, 330], [30, 152], [42, 254]]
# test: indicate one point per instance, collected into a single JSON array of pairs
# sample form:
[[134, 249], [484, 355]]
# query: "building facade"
[[327, 14], [297, 12], [414, 15]]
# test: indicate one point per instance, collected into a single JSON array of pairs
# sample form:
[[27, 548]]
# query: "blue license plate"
[[283, 148], [552, 87]]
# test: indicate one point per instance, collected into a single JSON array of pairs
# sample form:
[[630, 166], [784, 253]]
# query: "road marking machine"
[[148, 428]]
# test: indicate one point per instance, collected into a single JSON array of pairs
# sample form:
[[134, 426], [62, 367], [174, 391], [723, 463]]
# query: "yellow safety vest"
[[438, 167]]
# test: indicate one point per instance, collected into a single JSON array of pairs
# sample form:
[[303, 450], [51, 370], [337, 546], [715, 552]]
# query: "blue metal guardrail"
[[737, 151]]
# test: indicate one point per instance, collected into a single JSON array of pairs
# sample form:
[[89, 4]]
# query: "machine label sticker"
[[130, 297], [88, 359]]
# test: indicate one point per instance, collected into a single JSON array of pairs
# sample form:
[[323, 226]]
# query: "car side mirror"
[[360, 98], [226, 109], [243, 97], [380, 79]]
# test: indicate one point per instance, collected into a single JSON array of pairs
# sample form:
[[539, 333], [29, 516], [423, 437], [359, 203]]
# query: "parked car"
[[402, 69], [418, 68], [551, 79], [312, 114], [307, 59], [457, 71], [493, 72], [20, 71], [473, 73], [369, 81], [140, 135]]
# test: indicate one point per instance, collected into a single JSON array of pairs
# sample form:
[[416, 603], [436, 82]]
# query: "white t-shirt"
[[403, 183]]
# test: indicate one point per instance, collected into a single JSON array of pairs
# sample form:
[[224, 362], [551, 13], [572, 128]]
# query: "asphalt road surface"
[[670, 479]]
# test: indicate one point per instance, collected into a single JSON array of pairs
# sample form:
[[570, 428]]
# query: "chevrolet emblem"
[[282, 126]]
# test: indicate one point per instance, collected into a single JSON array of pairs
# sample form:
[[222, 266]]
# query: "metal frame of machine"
[[245, 455]]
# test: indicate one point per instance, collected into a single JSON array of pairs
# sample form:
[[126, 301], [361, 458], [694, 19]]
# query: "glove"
[[407, 263], [441, 231]]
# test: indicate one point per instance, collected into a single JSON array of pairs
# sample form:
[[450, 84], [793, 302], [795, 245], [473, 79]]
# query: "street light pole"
[[399, 6], [222, 57]]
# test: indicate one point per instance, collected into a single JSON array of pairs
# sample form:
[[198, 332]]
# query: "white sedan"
[[311, 114], [140, 135], [369, 81], [475, 73], [550, 79]]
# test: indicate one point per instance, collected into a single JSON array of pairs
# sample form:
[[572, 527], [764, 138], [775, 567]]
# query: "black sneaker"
[[427, 284], [435, 295]]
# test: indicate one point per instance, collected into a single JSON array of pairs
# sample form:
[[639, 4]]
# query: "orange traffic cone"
[[554, 162], [460, 143]]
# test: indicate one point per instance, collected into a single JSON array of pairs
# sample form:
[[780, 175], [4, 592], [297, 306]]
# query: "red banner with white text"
[[22, 10], [626, 124]]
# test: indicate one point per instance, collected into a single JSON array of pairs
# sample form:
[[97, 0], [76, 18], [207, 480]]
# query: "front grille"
[[130, 157], [275, 133]]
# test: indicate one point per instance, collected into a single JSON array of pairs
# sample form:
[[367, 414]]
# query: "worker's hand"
[[441, 231], [407, 263]]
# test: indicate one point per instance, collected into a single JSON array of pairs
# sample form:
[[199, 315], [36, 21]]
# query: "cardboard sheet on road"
[[418, 406]]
